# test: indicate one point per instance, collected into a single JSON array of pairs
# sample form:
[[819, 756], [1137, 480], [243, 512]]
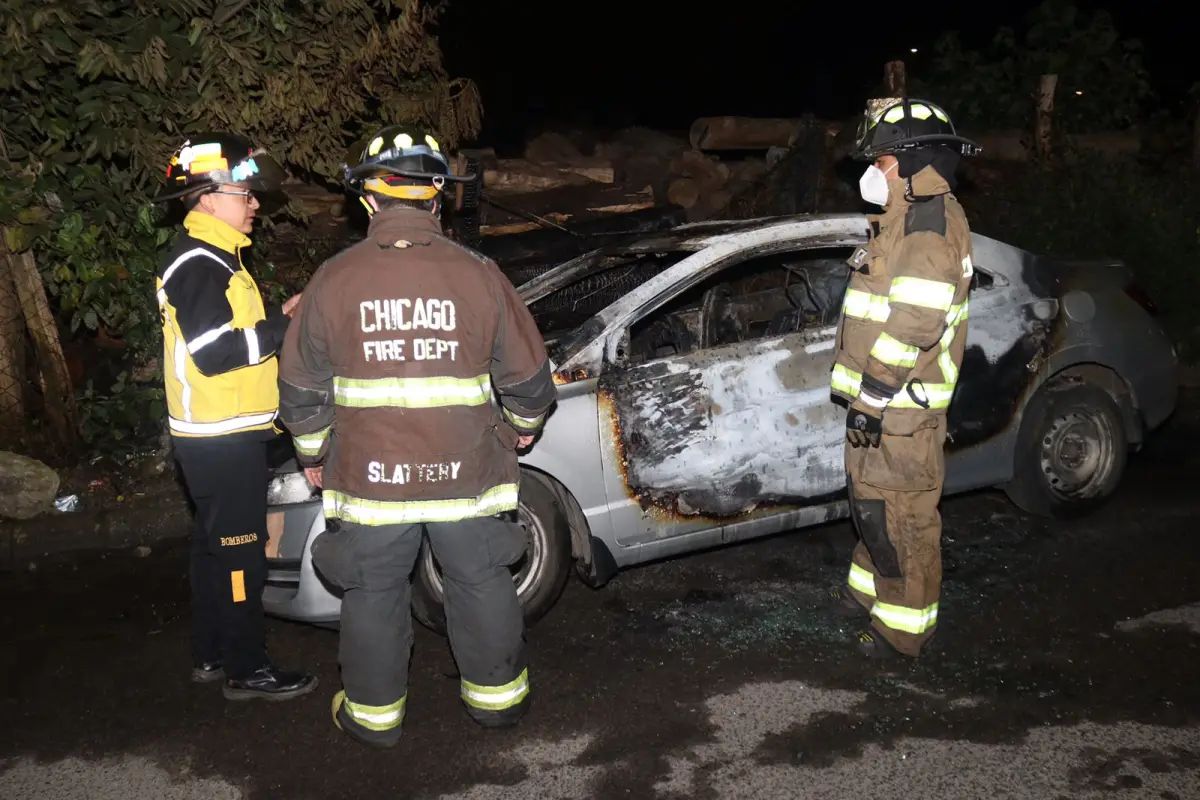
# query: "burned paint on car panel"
[[725, 431], [1005, 350]]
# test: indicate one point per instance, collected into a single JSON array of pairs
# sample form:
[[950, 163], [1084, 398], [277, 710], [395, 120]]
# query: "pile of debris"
[[570, 176]]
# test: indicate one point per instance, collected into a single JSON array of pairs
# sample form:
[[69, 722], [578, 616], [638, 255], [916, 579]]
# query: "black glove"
[[864, 421], [864, 424]]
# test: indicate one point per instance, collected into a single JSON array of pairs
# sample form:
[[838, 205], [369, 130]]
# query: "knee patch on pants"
[[334, 558], [870, 517]]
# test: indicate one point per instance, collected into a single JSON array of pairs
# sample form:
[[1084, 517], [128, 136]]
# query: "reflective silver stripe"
[[382, 512], [198, 251], [861, 580], [524, 423], [909, 620], [412, 392], [251, 345], [921, 292], [864, 305], [893, 352], [873, 401], [496, 698], [207, 338], [222, 426], [310, 443], [938, 395]]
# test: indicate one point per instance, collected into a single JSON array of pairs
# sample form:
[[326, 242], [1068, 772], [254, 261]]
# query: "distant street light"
[[1079, 91], [913, 50]]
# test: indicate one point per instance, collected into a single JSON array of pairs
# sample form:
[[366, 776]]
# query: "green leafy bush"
[[96, 94]]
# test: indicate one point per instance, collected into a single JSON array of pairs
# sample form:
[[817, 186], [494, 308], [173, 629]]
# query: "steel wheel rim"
[[1077, 454], [529, 568]]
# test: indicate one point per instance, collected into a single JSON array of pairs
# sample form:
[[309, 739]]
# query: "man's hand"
[[864, 421], [524, 441], [290, 304], [314, 475]]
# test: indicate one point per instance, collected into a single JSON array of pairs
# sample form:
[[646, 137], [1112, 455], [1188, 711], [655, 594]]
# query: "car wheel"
[[539, 576], [1070, 454]]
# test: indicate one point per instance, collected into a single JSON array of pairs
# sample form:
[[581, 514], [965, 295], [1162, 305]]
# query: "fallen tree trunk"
[[684, 192], [518, 176]]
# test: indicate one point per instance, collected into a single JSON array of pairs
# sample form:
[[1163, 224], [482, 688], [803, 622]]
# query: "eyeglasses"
[[246, 193]]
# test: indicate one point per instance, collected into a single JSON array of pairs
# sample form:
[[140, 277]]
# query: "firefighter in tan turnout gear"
[[899, 347], [386, 383]]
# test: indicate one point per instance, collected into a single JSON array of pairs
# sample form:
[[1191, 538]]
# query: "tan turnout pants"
[[896, 569]]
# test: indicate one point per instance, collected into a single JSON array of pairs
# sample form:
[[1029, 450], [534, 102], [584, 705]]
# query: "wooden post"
[[12, 359], [56, 379], [1045, 114], [460, 168], [894, 79]]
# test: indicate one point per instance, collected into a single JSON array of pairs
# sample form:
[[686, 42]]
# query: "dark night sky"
[[665, 63]]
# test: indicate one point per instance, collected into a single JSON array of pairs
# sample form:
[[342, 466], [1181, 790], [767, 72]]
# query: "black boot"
[[270, 683], [843, 604], [208, 672], [347, 725], [875, 647]]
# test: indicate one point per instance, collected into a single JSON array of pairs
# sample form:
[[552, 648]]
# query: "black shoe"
[[208, 672], [270, 683], [843, 604], [875, 647]]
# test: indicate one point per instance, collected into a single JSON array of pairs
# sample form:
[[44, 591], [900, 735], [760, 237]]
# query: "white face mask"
[[873, 185]]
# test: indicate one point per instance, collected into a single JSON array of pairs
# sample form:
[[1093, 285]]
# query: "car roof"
[[692, 236]]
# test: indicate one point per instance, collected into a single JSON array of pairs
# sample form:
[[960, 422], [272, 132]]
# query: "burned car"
[[694, 406]]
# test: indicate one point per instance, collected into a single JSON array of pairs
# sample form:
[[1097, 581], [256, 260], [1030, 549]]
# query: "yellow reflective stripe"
[[921, 292], [496, 698], [849, 382], [310, 443], [893, 352], [946, 363], [412, 392], [524, 423], [861, 580], [845, 381], [909, 620], [376, 718], [956, 315], [864, 305], [381, 512]]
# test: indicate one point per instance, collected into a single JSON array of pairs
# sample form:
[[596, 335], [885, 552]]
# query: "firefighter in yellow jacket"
[[899, 347], [221, 375]]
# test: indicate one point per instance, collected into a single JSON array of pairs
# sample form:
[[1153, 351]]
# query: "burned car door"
[[724, 413]]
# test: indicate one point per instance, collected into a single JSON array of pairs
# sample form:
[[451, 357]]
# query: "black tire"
[[1071, 452], [541, 575]]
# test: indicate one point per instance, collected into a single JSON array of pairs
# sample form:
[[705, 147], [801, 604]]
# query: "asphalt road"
[[1065, 667]]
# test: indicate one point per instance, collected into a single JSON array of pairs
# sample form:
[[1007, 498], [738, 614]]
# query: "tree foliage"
[[1102, 83], [97, 94]]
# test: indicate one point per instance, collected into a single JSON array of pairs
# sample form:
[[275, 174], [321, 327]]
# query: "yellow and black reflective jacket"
[[219, 345]]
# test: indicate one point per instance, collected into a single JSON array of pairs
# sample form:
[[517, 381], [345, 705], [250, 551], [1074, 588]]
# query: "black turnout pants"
[[227, 477]]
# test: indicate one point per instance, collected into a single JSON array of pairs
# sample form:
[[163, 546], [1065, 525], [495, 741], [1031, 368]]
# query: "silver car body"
[[736, 441]]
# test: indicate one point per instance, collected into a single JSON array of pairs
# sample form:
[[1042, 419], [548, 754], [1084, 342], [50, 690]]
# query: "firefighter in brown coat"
[[899, 348], [386, 384]]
